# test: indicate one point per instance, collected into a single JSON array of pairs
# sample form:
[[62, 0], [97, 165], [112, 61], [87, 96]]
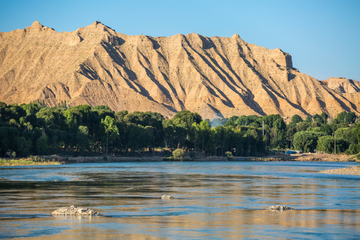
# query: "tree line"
[[35, 129]]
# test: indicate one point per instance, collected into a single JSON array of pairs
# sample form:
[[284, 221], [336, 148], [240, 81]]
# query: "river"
[[213, 200]]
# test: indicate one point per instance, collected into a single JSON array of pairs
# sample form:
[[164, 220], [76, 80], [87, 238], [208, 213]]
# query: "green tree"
[[41, 146], [345, 117], [302, 126], [110, 129], [52, 117], [326, 144], [169, 132], [253, 119], [23, 146], [290, 132], [308, 119], [230, 123], [219, 140], [119, 116], [270, 119], [315, 124], [204, 136], [341, 132], [278, 133], [306, 141], [325, 128], [254, 142], [296, 119], [148, 138], [82, 138], [188, 118], [324, 116], [319, 119], [8, 138], [180, 132], [354, 149]]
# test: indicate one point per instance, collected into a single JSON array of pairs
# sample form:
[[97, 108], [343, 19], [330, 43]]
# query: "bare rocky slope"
[[343, 85], [214, 76]]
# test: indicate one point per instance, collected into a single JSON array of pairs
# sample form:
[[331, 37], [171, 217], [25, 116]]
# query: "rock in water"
[[74, 210], [167, 197], [279, 208]]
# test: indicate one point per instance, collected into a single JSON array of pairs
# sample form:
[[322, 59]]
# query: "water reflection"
[[233, 224], [212, 200]]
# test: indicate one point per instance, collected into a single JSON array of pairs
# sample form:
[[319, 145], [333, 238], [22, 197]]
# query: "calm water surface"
[[213, 200]]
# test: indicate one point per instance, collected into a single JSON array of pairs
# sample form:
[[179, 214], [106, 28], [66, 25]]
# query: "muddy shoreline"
[[311, 157], [304, 157]]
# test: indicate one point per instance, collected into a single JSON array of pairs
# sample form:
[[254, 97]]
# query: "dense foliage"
[[34, 129]]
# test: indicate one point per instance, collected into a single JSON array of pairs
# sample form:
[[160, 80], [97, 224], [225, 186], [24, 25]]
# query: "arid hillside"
[[343, 85], [214, 76]]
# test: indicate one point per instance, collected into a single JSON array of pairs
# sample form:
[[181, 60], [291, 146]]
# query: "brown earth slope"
[[214, 76], [342, 85]]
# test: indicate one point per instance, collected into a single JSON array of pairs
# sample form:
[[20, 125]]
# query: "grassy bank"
[[27, 162]]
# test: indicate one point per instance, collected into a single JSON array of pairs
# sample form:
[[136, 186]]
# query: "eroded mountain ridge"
[[215, 76]]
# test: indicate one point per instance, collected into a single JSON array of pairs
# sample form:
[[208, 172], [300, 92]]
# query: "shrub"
[[178, 153], [354, 149], [229, 155], [192, 154]]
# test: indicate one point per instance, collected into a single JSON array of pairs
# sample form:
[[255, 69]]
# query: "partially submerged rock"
[[74, 210], [166, 197], [279, 208]]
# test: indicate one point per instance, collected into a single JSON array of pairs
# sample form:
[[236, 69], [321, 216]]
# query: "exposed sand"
[[303, 157], [354, 170]]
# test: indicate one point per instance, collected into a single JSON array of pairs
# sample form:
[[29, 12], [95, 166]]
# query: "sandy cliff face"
[[342, 85], [212, 76]]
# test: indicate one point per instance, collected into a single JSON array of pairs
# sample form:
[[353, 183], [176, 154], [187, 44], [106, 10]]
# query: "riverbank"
[[56, 159], [26, 162], [302, 157], [200, 158]]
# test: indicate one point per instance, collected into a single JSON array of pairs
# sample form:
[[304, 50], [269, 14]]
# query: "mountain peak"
[[100, 26], [36, 26], [96, 23], [235, 36]]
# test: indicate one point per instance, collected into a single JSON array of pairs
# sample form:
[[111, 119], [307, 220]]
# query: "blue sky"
[[323, 36]]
